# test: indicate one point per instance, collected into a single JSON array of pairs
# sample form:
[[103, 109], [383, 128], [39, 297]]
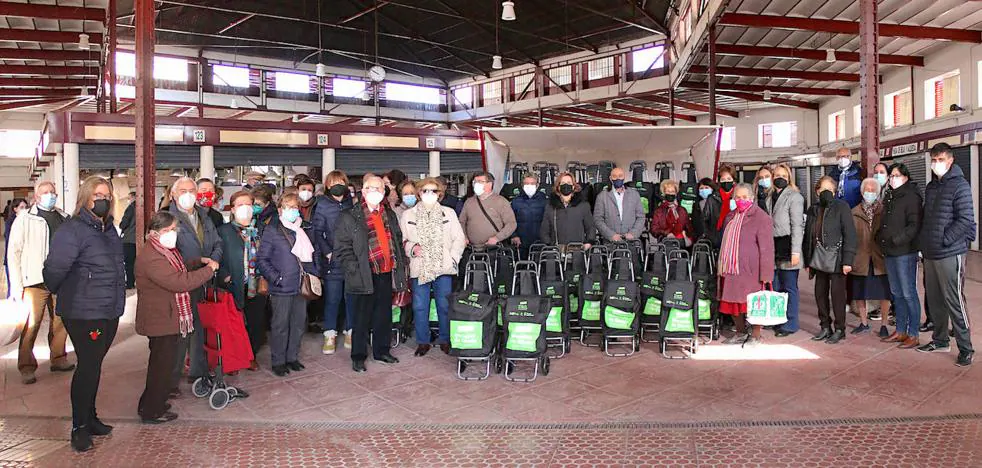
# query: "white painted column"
[[70, 192], [58, 177], [434, 164], [207, 169], [328, 163]]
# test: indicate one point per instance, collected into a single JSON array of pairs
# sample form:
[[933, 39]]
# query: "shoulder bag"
[[486, 215], [825, 258], [310, 285]]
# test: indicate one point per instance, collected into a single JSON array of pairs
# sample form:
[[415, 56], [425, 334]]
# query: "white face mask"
[[243, 214], [169, 239], [844, 163], [479, 188], [186, 201], [429, 199], [374, 198], [896, 182], [940, 168], [530, 190], [306, 195]]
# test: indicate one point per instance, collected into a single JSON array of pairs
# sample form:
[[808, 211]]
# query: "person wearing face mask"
[[17, 206], [197, 240], [786, 206], [128, 227], [368, 244], [285, 253], [617, 212], [434, 241], [829, 253], [393, 180], [848, 175], [85, 270], [208, 196], [529, 207], [239, 272], [705, 217], [263, 207], [669, 219], [763, 182], [727, 181], [947, 230], [163, 313], [882, 175], [487, 218], [337, 199], [407, 197], [305, 191], [29, 242], [567, 219], [897, 238], [869, 274], [746, 261]]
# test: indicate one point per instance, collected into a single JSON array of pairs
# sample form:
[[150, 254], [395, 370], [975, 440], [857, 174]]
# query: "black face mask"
[[387, 192], [726, 186], [338, 190], [670, 198], [826, 197], [101, 208], [781, 183], [566, 189]]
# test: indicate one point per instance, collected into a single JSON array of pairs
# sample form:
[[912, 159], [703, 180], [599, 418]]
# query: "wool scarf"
[[302, 248], [729, 257], [184, 318], [250, 243], [429, 229], [869, 209]]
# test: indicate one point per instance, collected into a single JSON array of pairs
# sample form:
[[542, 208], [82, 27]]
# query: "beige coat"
[[27, 249], [453, 241]]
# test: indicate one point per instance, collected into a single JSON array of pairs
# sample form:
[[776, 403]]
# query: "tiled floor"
[[790, 379]]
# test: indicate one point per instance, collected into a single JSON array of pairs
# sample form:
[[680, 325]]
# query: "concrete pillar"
[[207, 169], [70, 193], [58, 177], [434, 163], [328, 163]]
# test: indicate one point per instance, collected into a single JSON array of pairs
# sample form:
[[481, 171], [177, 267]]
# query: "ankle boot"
[[81, 439], [836, 337], [98, 428], [822, 335]]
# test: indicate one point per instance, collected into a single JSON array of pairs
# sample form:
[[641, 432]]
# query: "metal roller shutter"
[[963, 157], [814, 173], [458, 162], [917, 166], [231, 156], [356, 162], [107, 156]]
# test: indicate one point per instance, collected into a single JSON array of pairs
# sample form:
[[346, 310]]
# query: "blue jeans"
[[441, 288], [334, 291], [786, 281], [902, 273]]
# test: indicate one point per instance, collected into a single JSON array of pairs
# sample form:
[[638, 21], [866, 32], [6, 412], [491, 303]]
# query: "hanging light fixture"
[[830, 55], [235, 103], [83, 41], [496, 62], [508, 10], [610, 105], [767, 95], [321, 70]]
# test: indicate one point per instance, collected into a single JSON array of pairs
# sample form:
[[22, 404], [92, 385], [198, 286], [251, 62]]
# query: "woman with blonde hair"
[[786, 206], [85, 269], [670, 219]]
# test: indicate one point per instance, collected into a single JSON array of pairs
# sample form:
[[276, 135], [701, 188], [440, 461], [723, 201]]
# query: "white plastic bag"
[[13, 318]]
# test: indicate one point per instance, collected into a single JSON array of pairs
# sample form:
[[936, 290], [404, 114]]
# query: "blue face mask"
[[870, 197], [733, 206], [618, 183], [880, 179], [290, 215], [256, 209], [764, 183], [48, 201], [409, 200], [705, 193]]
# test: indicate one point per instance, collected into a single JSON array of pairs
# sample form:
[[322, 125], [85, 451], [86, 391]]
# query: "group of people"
[[396, 241]]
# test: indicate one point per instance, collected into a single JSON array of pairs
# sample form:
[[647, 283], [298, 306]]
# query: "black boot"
[[822, 335], [836, 337], [98, 428], [81, 439]]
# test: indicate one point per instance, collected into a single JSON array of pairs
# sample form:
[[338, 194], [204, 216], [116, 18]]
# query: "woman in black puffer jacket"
[[897, 237], [85, 269]]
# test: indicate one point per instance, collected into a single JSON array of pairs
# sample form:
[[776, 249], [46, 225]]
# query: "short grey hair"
[[173, 187], [870, 181], [484, 174], [743, 186]]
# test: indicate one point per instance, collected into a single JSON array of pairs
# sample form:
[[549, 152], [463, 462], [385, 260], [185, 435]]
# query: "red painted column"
[[712, 75], [869, 84], [144, 117], [111, 58]]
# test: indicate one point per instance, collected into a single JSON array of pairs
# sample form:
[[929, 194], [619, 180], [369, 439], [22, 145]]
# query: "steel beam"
[[607, 115], [48, 70], [609, 16], [111, 54], [40, 92], [46, 82], [36, 54], [11, 105], [34, 35], [773, 100], [34, 10], [652, 112], [774, 89], [237, 22], [808, 54], [364, 12], [869, 138], [712, 47], [576, 120], [145, 117], [849, 27], [686, 104], [671, 106], [772, 73]]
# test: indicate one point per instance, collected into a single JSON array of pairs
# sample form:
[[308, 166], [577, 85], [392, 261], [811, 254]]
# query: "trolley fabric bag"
[[652, 287], [590, 298], [679, 317], [525, 326], [620, 308], [767, 308], [472, 324]]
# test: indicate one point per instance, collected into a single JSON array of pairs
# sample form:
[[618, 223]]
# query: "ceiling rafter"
[[811, 54], [774, 73], [773, 89], [849, 27], [608, 115], [687, 105]]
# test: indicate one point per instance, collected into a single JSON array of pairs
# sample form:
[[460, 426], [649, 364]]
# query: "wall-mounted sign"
[[430, 143], [322, 139], [198, 135], [901, 150]]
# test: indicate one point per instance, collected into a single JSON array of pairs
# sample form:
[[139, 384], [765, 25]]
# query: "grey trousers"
[[288, 325], [945, 290]]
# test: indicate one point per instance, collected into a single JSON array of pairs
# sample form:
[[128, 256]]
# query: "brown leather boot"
[[910, 343], [895, 338]]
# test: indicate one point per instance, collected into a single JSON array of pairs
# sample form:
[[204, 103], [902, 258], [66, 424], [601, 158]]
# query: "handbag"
[[825, 258], [310, 286], [262, 286]]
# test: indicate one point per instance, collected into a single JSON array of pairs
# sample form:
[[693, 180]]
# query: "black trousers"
[[831, 285], [129, 258], [373, 313], [159, 369], [256, 321], [92, 339]]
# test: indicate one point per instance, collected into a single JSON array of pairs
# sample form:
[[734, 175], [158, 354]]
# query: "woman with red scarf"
[[727, 181], [669, 219]]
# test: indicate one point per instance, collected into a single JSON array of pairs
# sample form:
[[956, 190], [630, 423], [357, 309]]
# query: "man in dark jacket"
[[336, 199], [849, 177], [128, 225], [529, 207], [197, 238], [948, 229], [368, 243]]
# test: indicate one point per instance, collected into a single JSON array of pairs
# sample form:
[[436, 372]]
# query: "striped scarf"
[[729, 255], [184, 318], [376, 254], [250, 243]]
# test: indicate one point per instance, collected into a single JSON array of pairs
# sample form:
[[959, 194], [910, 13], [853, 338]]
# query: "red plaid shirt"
[[379, 248]]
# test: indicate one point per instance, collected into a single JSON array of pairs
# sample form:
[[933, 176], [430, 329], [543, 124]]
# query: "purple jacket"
[[756, 256]]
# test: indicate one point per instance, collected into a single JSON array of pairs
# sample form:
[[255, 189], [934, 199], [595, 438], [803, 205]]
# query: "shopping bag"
[[13, 318], [220, 316], [767, 308]]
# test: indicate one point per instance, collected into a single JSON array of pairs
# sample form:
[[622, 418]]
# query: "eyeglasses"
[[430, 191], [99, 196]]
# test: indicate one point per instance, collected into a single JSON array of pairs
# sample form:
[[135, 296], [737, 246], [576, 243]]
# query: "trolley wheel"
[[498, 365], [219, 399], [509, 367], [232, 392], [637, 345], [201, 387], [567, 346], [545, 365]]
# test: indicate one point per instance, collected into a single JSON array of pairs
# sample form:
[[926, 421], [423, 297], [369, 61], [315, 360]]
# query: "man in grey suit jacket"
[[617, 212]]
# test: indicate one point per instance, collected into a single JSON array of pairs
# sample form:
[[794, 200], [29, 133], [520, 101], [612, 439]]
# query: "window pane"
[[236, 77], [728, 139], [521, 81], [857, 121], [344, 87], [601, 68], [492, 92], [464, 96], [561, 76], [19, 143], [778, 134], [412, 93], [164, 68], [292, 82], [643, 59]]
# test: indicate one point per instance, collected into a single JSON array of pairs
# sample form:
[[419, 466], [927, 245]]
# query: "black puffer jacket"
[[566, 224], [705, 217], [902, 212], [837, 225], [949, 220], [351, 250]]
